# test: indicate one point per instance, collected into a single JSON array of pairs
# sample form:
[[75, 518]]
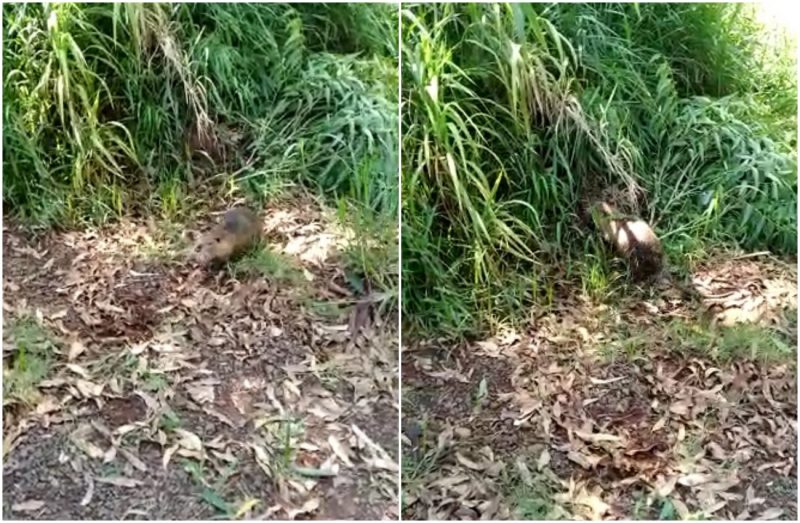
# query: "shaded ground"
[[167, 392], [668, 405]]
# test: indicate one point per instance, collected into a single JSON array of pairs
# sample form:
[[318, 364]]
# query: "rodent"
[[634, 239], [239, 229]]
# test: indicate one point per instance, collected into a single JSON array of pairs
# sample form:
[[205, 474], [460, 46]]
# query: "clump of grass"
[[263, 261], [31, 361], [725, 344], [531, 496], [514, 112]]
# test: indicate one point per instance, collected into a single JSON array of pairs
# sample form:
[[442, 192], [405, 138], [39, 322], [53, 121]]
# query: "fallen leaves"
[[688, 433], [210, 371]]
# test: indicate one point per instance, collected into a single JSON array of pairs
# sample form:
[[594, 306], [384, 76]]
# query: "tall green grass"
[[118, 108], [513, 113]]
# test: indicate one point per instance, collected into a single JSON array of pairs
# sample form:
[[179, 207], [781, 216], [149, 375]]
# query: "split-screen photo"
[[399, 261]]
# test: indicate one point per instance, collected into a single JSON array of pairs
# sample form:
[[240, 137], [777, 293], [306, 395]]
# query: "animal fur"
[[239, 230], [633, 239]]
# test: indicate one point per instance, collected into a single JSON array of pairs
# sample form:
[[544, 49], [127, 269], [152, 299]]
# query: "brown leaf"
[[341, 452], [189, 440], [769, 514], [694, 479], [585, 460], [87, 498], [681, 508], [468, 462], [76, 348], [544, 460], [89, 389], [680, 408], [121, 482], [31, 505], [201, 392], [666, 487]]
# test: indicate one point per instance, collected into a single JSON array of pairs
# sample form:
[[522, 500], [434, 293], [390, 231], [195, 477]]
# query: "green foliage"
[[30, 363], [726, 344], [262, 261], [114, 108], [513, 112]]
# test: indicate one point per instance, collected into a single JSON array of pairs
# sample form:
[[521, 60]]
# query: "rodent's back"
[[241, 221], [635, 240], [629, 234], [239, 229]]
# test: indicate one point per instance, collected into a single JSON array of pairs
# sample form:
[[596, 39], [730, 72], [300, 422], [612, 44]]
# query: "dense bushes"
[[515, 112], [108, 108]]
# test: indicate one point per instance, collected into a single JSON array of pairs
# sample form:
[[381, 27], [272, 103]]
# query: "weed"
[[263, 261], [532, 496], [33, 349], [169, 421]]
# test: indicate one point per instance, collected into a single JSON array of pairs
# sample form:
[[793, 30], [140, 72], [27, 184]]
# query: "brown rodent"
[[239, 230], [633, 238]]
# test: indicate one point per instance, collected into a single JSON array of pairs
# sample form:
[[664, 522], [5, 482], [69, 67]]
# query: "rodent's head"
[[212, 247], [601, 214]]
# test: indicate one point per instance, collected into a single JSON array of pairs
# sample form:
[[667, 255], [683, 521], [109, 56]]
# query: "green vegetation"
[[274, 266], [114, 109], [31, 361], [728, 344], [513, 114]]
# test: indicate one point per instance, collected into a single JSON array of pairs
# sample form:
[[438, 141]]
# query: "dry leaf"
[[76, 348], [31, 505], [769, 514], [341, 452], [121, 482]]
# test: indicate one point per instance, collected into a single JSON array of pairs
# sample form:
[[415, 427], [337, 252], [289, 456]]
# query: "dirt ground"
[[178, 393], [672, 404]]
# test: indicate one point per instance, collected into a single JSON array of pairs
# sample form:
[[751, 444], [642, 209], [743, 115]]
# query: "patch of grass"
[[32, 358], [210, 492], [370, 258], [596, 278], [263, 261], [419, 467], [326, 309], [421, 462], [631, 347], [282, 438], [154, 382], [169, 421], [782, 487], [167, 243], [725, 344], [533, 502], [532, 498], [648, 506]]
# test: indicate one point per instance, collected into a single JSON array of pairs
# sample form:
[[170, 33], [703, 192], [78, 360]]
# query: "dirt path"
[[168, 393], [640, 410]]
